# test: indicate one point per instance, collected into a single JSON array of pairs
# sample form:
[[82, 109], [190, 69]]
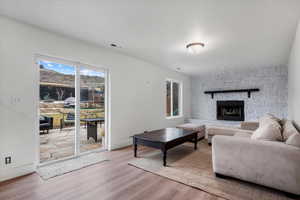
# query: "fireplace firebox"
[[230, 110]]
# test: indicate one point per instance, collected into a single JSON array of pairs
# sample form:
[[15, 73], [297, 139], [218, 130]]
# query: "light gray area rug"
[[194, 168], [60, 168]]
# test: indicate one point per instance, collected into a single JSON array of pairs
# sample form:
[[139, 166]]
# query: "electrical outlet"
[[7, 160]]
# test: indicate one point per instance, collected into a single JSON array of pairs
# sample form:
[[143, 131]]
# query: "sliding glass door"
[[72, 104], [92, 109]]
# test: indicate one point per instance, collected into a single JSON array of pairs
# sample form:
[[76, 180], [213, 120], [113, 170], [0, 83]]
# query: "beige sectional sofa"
[[270, 163], [246, 127]]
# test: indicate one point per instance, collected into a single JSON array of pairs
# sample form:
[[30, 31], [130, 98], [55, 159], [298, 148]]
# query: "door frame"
[[77, 66]]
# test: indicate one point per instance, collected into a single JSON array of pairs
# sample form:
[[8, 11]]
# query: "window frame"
[[180, 98]]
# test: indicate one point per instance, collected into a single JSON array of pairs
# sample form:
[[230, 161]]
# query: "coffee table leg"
[[135, 147], [196, 141], [164, 157]]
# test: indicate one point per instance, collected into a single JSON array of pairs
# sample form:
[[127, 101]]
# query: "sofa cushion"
[[242, 134], [251, 126], [268, 132], [288, 129], [294, 140], [211, 131]]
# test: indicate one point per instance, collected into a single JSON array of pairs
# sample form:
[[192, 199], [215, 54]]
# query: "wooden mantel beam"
[[212, 92]]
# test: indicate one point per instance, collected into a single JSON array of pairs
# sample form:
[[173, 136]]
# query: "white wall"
[[272, 97], [137, 91], [294, 80]]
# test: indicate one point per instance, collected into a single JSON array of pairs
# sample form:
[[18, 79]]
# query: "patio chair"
[[46, 123]]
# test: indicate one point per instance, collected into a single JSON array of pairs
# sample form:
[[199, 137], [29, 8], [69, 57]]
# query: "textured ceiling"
[[236, 33]]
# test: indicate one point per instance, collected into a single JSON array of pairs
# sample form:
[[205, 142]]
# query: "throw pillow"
[[282, 121], [269, 132], [288, 129], [294, 140], [269, 119], [273, 117]]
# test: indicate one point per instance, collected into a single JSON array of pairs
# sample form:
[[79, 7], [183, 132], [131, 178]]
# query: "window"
[[173, 98]]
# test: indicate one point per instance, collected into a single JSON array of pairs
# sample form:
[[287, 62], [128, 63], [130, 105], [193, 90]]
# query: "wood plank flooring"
[[114, 179]]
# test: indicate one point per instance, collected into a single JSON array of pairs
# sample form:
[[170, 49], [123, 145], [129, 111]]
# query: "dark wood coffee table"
[[165, 139]]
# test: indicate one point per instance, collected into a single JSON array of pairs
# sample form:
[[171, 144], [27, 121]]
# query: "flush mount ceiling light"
[[195, 47]]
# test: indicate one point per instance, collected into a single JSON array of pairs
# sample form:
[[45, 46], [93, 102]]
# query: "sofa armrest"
[[249, 125], [273, 164]]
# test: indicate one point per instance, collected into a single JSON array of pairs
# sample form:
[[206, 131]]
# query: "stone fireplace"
[[230, 110], [272, 97]]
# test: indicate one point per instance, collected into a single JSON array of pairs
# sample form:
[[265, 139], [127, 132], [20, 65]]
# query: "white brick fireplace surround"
[[272, 97]]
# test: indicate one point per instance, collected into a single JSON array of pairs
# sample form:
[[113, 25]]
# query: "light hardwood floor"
[[114, 179]]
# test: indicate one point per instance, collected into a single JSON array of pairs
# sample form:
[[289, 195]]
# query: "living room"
[[204, 93]]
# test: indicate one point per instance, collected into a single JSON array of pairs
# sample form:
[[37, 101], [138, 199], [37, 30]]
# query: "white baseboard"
[[14, 172], [122, 144]]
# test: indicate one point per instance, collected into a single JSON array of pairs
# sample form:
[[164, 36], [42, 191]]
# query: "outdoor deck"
[[59, 144]]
